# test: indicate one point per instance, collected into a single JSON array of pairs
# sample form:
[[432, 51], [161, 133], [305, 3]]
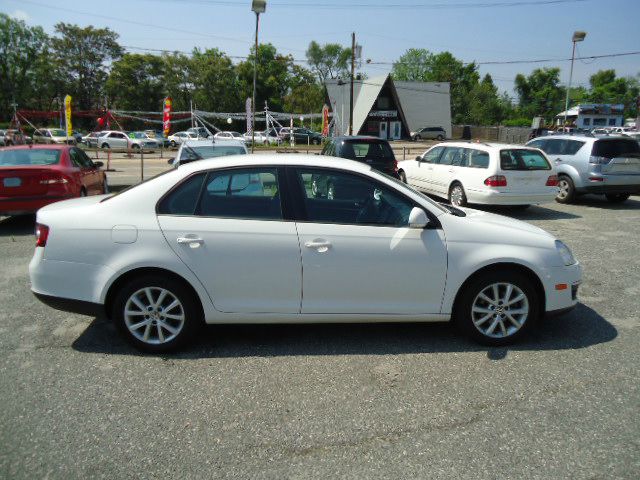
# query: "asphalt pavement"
[[333, 401]]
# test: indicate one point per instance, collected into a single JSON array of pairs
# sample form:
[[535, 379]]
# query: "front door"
[[383, 130], [230, 232], [358, 254], [395, 130]]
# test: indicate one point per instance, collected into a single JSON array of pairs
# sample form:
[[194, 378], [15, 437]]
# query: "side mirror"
[[418, 158], [418, 218], [170, 161], [98, 164]]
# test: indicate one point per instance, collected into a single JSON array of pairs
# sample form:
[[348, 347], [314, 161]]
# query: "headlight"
[[565, 253]]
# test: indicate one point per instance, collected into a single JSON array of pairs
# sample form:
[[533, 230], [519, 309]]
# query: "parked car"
[[34, 176], [2, 137], [482, 173], [429, 133], [302, 136], [237, 136], [159, 137], [193, 150], [52, 135], [121, 140], [179, 137], [200, 132], [225, 240], [91, 139], [13, 136], [605, 165], [263, 138]]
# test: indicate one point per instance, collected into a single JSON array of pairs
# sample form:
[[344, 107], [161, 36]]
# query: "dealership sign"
[[166, 117], [384, 113]]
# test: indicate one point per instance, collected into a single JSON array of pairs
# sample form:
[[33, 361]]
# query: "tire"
[[135, 147], [105, 186], [457, 197], [315, 141], [83, 192], [440, 138], [173, 144], [417, 138], [403, 176], [567, 191], [105, 145], [617, 197], [489, 323], [155, 331]]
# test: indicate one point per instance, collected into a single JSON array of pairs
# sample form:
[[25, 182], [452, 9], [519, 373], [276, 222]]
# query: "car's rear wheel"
[[440, 137], [156, 314], [617, 197], [457, 196], [105, 145], [566, 190], [403, 176], [315, 141], [496, 308], [135, 146]]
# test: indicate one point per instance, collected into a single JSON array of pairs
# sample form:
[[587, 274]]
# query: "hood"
[[479, 226]]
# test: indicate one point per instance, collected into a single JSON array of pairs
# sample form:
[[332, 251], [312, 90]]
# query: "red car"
[[32, 176]]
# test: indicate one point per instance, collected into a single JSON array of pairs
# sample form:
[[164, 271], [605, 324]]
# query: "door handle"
[[320, 245], [193, 242]]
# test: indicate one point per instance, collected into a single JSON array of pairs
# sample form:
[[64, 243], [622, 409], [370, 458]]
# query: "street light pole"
[[577, 37], [257, 6], [353, 63]]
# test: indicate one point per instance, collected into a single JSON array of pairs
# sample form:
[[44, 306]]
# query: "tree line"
[[37, 70]]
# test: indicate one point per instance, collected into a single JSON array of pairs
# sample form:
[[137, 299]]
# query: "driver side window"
[[332, 196], [433, 155]]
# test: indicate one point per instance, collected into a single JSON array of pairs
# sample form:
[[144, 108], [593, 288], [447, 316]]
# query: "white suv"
[[482, 173]]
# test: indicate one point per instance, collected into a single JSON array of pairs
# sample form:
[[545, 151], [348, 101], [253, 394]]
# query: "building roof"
[[421, 100]]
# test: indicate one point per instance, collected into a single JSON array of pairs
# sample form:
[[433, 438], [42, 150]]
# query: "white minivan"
[[482, 173]]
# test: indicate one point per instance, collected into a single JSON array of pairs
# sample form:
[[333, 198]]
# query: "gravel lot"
[[333, 401]]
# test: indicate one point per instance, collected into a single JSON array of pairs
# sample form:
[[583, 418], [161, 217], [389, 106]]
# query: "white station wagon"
[[482, 173], [243, 239]]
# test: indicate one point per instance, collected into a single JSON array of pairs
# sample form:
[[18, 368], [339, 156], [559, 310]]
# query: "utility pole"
[[353, 68]]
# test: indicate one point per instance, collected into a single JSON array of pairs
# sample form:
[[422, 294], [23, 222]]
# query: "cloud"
[[20, 15]]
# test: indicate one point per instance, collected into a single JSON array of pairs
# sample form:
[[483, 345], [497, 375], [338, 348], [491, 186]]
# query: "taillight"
[[42, 233], [496, 181], [56, 180], [598, 160], [552, 181]]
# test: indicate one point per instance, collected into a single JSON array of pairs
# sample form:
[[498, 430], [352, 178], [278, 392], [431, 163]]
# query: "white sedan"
[[483, 173], [242, 239]]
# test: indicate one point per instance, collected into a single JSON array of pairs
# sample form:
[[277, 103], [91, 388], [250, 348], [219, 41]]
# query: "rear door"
[[623, 155], [229, 228]]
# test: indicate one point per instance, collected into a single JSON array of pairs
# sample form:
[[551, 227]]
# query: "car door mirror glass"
[[98, 164], [418, 218], [418, 158]]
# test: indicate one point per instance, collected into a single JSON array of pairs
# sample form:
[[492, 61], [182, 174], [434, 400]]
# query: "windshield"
[[137, 135], [56, 132], [36, 156], [370, 150], [210, 151], [521, 159]]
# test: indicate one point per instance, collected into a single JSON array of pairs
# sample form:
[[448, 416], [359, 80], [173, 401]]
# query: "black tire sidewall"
[[193, 319], [462, 309]]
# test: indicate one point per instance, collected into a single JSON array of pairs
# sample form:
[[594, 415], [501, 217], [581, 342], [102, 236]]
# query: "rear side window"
[[182, 200], [377, 151], [615, 148], [35, 156], [520, 159], [478, 159]]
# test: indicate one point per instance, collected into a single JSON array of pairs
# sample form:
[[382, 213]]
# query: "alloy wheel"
[[457, 196], [500, 310], [154, 315], [563, 189]]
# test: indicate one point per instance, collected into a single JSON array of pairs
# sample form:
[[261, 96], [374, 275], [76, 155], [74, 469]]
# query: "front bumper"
[[559, 298]]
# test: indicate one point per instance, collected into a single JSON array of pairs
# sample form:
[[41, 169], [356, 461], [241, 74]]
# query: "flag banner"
[[249, 116], [325, 121], [166, 117], [67, 115]]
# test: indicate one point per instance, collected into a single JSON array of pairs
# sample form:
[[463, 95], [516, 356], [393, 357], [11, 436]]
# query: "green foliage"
[[517, 122], [607, 88], [136, 82], [330, 60], [540, 93]]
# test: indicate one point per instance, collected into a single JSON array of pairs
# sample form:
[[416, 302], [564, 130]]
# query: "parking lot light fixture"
[[257, 6], [578, 36]]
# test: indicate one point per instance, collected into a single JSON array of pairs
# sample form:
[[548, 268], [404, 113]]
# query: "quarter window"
[[339, 197], [183, 199]]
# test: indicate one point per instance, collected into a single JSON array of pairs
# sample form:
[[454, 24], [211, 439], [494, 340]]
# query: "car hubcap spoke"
[[163, 314], [500, 310]]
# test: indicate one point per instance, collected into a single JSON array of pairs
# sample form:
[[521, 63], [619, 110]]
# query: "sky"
[[472, 30]]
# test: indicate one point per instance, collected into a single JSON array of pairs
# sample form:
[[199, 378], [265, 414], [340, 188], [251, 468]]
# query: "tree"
[[330, 60], [21, 49], [177, 80], [83, 56], [540, 93], [486, 107], [272, 80], [607, 88], [305, 94], [215, 81], [136, 82]]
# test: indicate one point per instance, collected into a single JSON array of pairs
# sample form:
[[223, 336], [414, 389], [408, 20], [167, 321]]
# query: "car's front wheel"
[[496, 308], [156, 314], [417, 138]]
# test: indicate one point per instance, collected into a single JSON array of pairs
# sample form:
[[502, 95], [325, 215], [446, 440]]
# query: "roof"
[[425, 104], [481, 145]]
